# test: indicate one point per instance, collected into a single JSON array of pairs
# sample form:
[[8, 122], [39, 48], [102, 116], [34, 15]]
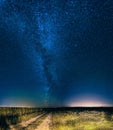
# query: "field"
[[86, 119], [21, 118], [56, 119]]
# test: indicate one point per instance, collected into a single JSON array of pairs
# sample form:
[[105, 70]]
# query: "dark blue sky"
[[56, 52]]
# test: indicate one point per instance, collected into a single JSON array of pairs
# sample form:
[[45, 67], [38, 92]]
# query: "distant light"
[[88, 102]]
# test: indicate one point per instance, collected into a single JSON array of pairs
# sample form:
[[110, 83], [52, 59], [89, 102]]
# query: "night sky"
[[56, 52]]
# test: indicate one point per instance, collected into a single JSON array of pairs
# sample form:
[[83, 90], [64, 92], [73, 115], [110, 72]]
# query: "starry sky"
[[56, 52]]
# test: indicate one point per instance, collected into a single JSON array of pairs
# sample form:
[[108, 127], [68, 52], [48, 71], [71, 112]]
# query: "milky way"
[[52, 51]]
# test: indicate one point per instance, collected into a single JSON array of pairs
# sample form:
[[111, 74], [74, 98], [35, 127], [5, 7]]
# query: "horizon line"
[[57, 106]]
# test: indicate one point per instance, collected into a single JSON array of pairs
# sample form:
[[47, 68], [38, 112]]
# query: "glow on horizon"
[[89, 103]]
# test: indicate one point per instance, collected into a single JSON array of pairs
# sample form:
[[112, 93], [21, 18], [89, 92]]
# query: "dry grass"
[[87, 120]]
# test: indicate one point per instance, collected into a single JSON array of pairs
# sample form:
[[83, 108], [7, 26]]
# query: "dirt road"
[[45, 124], [33, 124], [24, 124]]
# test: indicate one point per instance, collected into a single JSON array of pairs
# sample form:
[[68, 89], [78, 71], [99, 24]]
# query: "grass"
[[61, 119], [85, 120], [10, 116]]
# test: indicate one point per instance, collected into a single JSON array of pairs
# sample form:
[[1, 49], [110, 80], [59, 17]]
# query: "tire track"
[[36, 123], [45, 125], [25, 124]]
